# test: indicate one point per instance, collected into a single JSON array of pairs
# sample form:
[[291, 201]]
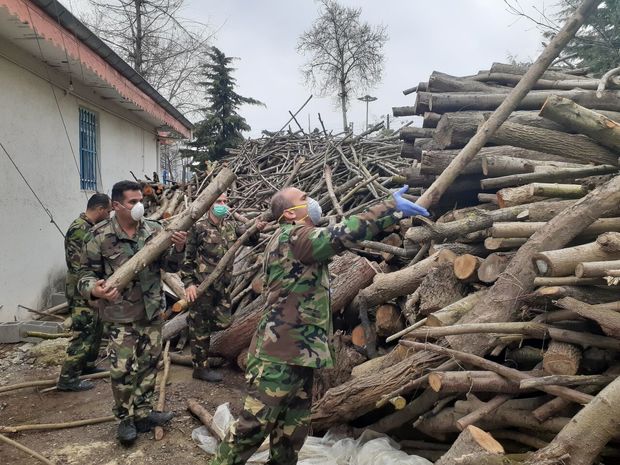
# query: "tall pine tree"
[[222, 126]]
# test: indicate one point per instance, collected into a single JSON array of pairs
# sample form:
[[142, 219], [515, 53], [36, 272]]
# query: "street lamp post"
[[367, 98]]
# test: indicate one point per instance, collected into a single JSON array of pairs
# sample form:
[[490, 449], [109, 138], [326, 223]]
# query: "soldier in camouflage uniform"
[[86, 326], [135, 335], [207, 242], [292, 338]]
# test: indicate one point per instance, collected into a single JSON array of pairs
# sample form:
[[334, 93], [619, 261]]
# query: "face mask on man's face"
[[220, 211], [136, 212]]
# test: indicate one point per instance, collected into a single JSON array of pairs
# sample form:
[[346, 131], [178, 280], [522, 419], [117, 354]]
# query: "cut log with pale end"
[[608, 320], [511, 196], [471, 381], [562, 359], [439, 288], [388, 320], [493, 266], [587, 294], [160, 243], [562, 262], [471, 441], [358, 336], [596, 269], [242, 360], [175, 284], [503, 244], [466, 267], [452, 313], [583, 120]]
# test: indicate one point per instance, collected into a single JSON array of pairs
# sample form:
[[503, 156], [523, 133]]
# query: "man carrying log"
[[292, 338], [134, 313], [86, 326], [208, 241]]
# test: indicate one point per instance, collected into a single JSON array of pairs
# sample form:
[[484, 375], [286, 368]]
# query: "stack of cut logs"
[[493, 330]]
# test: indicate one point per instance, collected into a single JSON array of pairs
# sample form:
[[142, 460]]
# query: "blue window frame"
[[88, 150]]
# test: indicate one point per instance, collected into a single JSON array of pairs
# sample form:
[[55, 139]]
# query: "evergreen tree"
[[222, 126], [597, 44]]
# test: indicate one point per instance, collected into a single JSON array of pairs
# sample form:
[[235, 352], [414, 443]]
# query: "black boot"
[[93, 370], [144, 425], [83, 385], [126, 433], [207, 374]]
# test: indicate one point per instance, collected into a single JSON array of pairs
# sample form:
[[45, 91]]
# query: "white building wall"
[[31, 129]]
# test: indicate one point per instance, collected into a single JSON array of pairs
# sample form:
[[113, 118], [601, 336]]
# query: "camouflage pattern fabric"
[[74, 241], [83, 347], [207, 243], [134, 351], [296, 325], [107, 248], [277, 405], [210, 312]]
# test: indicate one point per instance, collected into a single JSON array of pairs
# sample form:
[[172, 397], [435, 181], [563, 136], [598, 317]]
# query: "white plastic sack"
[[370, 449]]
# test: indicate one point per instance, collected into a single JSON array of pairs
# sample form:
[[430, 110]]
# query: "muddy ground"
[[96, 444]]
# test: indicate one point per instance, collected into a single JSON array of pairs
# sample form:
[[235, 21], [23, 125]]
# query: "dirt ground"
[[96, 444]]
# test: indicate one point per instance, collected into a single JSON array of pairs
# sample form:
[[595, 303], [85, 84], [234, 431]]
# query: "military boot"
[[93, 370], [83, 385], [144, 425], [207, 374], [126, 433]]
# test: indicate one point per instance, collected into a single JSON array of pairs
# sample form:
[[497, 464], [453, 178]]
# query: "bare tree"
[[153, 37], [345, 54]]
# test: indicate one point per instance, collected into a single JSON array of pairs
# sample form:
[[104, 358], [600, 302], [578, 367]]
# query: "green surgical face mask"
[[220, 211]]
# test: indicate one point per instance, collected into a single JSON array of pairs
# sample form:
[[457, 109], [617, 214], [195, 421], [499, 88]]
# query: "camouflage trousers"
[[277, 405], [134, 351], [210, 312], [84, 345]]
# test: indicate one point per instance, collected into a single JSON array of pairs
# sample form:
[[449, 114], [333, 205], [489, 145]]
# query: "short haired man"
[[207, 243], [135, 335], [292, 338], [86, 326]]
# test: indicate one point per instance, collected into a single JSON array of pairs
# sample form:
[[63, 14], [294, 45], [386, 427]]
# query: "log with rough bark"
[[587, 433], [349, 273], [493, 266], [608, 320], [472, 441], [567, 380], [433, 162], [452, 313], [388, 320], [587, 294], [561, 358], [583, 120], [502, 166], [358, 336], [160, 243], [559, 174], [375, 365], [439, 288], [441, 82], [572, 146], [562, 262], [410, 134]]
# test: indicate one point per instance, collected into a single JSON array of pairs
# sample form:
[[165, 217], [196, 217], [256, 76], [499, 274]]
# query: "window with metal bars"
[[88, 150]]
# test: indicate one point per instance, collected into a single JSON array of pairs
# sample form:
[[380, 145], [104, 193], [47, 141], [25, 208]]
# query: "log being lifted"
[[572, 146], [574, 117], [160, 243], [562, 262]]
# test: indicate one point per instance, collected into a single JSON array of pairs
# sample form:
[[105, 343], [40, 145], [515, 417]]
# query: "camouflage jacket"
[[74, 241], [107, 248], [207, 243], [296, 325]]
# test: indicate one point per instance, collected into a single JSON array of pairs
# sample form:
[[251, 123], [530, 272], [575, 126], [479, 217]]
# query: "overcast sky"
[[458, 37]]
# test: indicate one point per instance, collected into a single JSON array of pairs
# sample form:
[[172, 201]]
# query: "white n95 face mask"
[[137, 211], [314, 211]]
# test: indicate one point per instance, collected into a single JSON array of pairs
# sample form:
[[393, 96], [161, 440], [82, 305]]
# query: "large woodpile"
[[505, 304]]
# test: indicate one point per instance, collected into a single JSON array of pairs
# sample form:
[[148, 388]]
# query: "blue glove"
[[406, 206]]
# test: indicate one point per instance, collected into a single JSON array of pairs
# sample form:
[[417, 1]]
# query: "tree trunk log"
[[493, 266], [466, 267], [562, 174], [440, 288], [375, 365], [471, 381], [523, 229], [588, 294], [452, 313], [502, 166], [596, 269], [579, 119], [562, 262], [471, 441], [562, 359], [573, 146], [608, 320], [127, 272], [349, 273], [388, 320]]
